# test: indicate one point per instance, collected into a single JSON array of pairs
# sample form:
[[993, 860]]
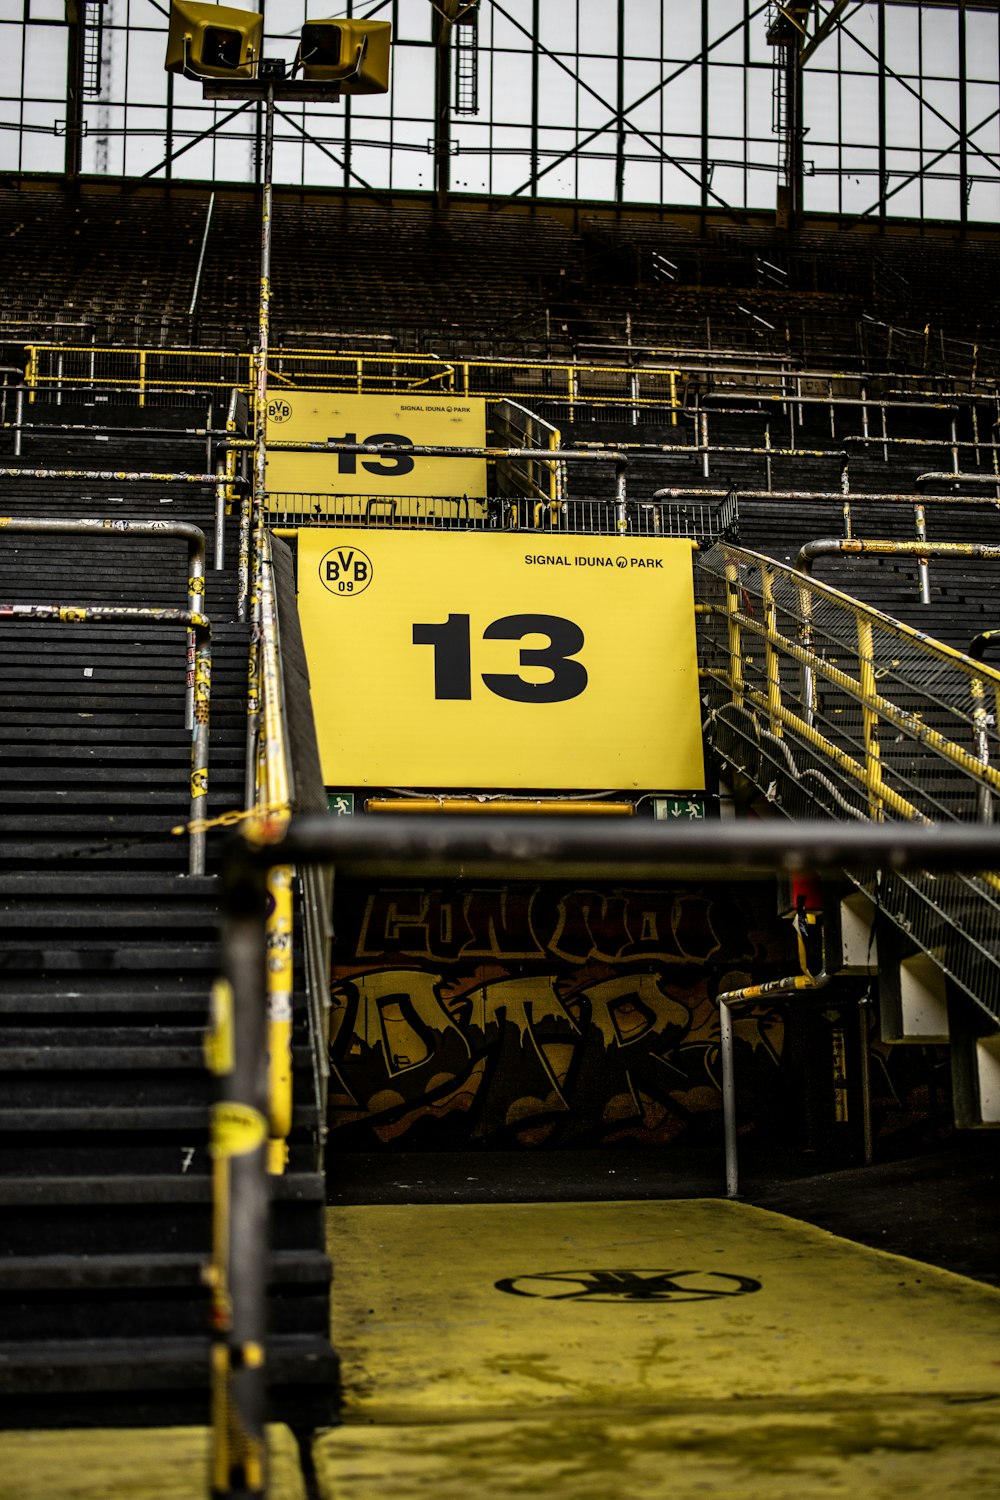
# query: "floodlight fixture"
[[213, 41], [354, 55], [220, 47]]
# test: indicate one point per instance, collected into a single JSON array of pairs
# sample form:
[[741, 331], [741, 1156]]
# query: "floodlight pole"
[[260, 433], [264, 308], [241, 1198], [239, 1374]]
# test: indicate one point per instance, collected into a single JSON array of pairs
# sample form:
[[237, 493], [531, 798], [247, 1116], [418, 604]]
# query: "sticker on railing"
[[236, 1130]]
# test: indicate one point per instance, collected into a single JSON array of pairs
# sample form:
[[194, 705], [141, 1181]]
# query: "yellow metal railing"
[[898, 719], [272, 806], [515, 426], [820, 705], [140, 371]]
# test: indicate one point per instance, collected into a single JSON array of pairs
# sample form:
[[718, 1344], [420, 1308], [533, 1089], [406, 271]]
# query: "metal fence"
[[698, 521]]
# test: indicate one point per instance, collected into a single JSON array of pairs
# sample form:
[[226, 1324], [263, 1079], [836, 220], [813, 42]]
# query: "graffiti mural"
[[524, 1015]]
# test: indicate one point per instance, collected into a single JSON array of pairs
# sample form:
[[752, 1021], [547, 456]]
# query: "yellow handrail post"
[[273, 801], [770, 653], [980, 720], [733, 632], [869, 719], [555, 441], [230, 476], [142, 377], [805, 635], [253, 690]]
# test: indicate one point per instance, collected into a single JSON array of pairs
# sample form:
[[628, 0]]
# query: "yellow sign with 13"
[[501, 661], [322, 416]]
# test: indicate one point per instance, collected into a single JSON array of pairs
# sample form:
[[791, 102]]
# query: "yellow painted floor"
[[922, 1451], [681, 1349], [608, 1351], [156, 1463]]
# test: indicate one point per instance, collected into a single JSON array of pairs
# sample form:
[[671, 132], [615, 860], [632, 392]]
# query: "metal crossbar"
[[221, 482], [921, 549], [193, 535]]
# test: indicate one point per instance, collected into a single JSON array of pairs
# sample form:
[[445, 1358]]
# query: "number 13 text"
[[452, 644]]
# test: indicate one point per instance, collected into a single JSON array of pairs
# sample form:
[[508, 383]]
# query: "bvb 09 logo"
[[345, 571], [628, 1286]]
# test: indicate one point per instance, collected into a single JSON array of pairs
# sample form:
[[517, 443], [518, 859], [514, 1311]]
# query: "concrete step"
[[154, 1381]]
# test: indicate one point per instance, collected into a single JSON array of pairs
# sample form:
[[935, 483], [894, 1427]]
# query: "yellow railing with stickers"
[[270, 811], [58, 369]]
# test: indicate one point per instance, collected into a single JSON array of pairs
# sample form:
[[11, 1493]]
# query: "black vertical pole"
[[535, 23], [704, 112], [241, 1202], [240, 1193], [620, 107], [169, 165], [882, 157], [442, 108], [347, 120], [258, 144], [796, 128], [963, 120], [74, 88]]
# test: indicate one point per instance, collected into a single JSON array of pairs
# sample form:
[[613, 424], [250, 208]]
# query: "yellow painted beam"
[[540, 806]]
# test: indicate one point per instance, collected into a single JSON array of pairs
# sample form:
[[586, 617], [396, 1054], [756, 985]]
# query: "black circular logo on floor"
[[628, 1286]]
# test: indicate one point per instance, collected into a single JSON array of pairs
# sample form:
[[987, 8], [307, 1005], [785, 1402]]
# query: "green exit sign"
[[678, 808]]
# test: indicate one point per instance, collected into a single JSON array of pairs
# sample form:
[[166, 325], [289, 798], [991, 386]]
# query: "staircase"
[[107, 960]]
